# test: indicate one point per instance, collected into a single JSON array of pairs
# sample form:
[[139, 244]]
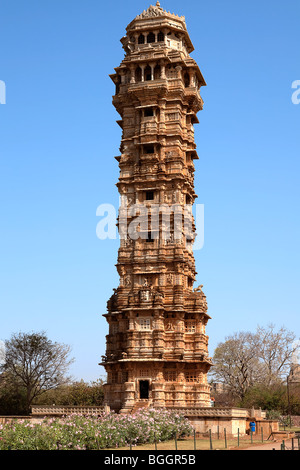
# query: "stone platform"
[[233, 420]]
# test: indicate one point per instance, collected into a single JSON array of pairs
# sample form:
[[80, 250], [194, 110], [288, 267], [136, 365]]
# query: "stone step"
[[141, 404]]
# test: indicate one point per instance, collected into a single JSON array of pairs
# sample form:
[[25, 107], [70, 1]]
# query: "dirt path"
[[272, 445]]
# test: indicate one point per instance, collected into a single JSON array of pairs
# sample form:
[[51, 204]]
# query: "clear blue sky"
[[58, 139]]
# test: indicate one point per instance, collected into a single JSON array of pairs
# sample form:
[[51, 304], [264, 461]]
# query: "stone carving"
[[170, 325], [199, 289], [155, 11], [159, 296]]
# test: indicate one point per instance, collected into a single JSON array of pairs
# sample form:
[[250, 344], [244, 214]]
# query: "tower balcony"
[[148, 126], [158, 80], [149, 157], [156, 85]]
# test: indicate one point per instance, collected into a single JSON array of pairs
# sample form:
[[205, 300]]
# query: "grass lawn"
[[204, 444], [201, 444], [290, 429]]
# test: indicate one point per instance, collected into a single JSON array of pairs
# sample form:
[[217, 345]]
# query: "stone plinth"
[[234, 420]]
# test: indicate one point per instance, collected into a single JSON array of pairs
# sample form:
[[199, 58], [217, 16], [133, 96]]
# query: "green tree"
[[36, 363], [269, 398], [12, 396]]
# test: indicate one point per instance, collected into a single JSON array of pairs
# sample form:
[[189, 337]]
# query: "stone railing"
[[222, 412], [56, 410], [213, 412], [9, 419]]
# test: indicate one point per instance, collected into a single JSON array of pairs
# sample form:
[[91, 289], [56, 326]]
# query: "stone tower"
[[156, 351]]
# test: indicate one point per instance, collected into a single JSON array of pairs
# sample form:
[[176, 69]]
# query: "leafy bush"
[[76, 394], [92, 433]]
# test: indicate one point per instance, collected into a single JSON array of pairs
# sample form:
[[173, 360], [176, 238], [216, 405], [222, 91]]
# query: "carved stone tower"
[[157, 347]]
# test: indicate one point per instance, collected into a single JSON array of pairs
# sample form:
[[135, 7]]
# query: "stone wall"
[[233, 420], [295, 420], [8, 419], [216, 420]]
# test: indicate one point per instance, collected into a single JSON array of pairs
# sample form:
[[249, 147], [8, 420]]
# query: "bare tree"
[[2, 352], [248, 359], [36, 362], [236, 364], [275, 350]]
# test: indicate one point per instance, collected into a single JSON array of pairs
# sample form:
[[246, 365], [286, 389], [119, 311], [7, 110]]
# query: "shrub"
[[110, 430]]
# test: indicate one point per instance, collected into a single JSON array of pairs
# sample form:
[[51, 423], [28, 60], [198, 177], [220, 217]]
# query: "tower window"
[[148, 73], [145, 373], [114, 328], [148, 112], [148, 149], [157, 72], [149, 195], [150, 239], [138, 75], [150, 38], [186, 80], [124, 376], [160, 37], [190, 326], [170, 376], [191, 378], [141, 39], [114, 377], [118, 85], [145, 324]]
